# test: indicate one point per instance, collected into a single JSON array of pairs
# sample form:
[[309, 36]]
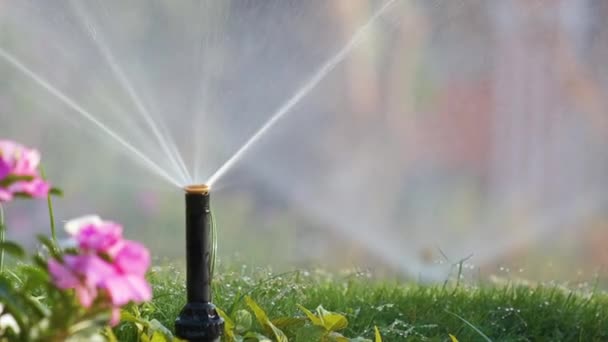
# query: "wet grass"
[[402, 312]]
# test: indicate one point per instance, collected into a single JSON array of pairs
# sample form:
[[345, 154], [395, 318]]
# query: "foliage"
[[63, 293], [39, 311], [37, 304], [401, 312], [320, 326]]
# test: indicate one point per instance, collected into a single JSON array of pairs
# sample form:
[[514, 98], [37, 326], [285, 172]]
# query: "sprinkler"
[[199, 321]]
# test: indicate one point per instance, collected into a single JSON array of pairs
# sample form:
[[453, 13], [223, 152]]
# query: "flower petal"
[[126, 288], [35, 188], [5, 195], [75, 225], [23, 161], [93, 268], [132, 258], [62, 276], [86, 295], [5, 168], [99, 238], [118, 290], [115, 316], [140, 288]]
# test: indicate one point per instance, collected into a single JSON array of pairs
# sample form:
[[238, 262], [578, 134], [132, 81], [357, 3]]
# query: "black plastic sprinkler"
[[199, 321]]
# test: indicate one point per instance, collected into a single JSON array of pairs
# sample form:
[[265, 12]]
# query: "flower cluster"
[[106, 269], [19, 172]]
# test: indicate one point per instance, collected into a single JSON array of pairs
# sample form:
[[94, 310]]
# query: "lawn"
[[400, 311]]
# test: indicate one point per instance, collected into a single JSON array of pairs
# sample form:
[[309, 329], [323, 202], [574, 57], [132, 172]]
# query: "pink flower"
[[99, 238], [19, 161], [115, 316], [82, 273], [105, 263], [5, 168], [129, 283], [94, 234], [65, 277], [124, 288], [36, 188], [132, 258], [5, 195]]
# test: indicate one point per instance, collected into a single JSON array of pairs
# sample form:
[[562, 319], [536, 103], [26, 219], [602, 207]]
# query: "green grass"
[[402, 312]]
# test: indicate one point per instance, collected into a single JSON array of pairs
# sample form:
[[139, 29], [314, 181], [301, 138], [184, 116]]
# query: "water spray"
[[317, 77], [199, 321]]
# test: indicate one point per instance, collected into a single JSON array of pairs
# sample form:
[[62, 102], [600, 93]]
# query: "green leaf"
[[13, 303], [56, 192], [39, 261], [288, 322], [252, 335], [35, 277], [109, 333], [228, 326], [144, 338], [262, 318], [310, 333], [377, 334], [22, 195], [278, 333], [88, 327], [129, 317], [314, 319], [157, 326], [331, 321], [13, 249], [12, 308], [259, 313], [242, 319], [10, 179], [39, 309], [159, 337], [227, 320], [336, 337], [50, 246], [95, 336]]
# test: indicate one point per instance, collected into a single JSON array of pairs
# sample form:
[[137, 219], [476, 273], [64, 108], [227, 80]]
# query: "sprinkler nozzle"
[[198, 321], [197, 189]]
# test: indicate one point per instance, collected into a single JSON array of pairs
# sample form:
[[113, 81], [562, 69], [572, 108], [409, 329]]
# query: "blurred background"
[[452, 128]]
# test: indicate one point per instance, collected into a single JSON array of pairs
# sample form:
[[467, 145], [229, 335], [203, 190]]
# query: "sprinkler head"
[[198, 321], [197, 189]]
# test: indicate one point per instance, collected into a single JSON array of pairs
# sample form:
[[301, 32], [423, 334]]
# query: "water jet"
[[424, 97], [198, 320]]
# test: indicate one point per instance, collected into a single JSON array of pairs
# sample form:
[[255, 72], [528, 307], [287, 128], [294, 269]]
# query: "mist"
[[397, 135]]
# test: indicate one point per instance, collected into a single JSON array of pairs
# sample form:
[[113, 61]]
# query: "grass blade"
[[470, 325]]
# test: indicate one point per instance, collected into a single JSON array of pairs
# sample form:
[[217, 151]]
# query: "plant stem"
[[2, 237], [49, 202]]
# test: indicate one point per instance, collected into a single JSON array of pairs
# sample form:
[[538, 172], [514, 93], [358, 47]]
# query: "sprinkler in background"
[[199, 321]]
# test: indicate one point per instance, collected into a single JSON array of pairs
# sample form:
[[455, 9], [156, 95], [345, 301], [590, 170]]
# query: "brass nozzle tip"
[[197, 189]]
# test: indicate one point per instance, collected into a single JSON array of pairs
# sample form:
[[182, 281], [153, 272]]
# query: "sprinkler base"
[[199, 322]]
